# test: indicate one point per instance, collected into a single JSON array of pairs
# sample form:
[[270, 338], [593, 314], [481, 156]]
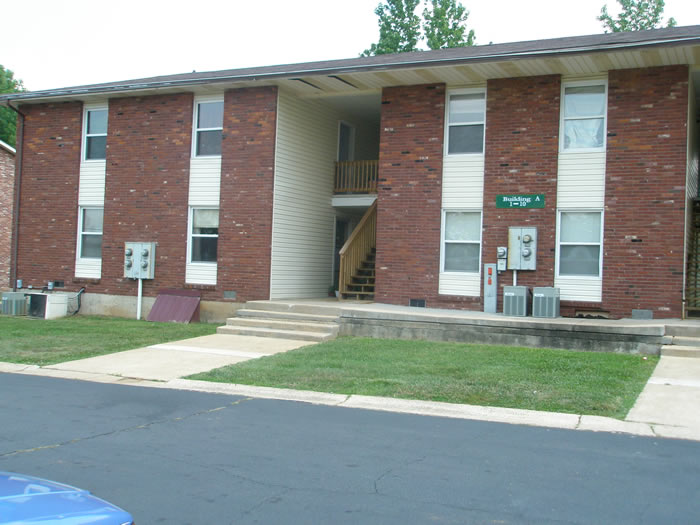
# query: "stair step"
[[292, 316], [299, 308], [686, 341], [680, 351], [683, 330], [280, 334], [276, 324]]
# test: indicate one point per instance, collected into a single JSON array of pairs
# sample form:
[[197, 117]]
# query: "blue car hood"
[[30, 500]]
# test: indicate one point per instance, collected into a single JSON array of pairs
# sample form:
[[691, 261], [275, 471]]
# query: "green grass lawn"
[[45, 342], [591, 383]]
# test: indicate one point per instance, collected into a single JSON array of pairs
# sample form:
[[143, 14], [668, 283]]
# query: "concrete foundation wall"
[[509, 331], [125, 306]]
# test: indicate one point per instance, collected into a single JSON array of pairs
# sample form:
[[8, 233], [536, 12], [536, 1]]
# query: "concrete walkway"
[[669, 406]]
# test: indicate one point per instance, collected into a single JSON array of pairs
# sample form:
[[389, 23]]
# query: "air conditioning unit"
[[545, 302], [516, 301], [14, 303], [47, 305]]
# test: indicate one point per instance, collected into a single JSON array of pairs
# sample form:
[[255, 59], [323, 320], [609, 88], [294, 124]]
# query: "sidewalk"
[[668, 407]]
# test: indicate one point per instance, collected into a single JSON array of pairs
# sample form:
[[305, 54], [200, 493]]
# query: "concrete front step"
[[279, 334], [299, 308], [277, 324], [680, 351], [292, 316], [686, 341], [683, 330]]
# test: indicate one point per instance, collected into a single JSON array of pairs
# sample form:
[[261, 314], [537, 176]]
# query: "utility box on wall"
[[140, 260], [522, 248]]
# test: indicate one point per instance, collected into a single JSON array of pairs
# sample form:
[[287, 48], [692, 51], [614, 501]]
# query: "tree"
[[399, 28], [8, 118], [444, 25], [636, 15]]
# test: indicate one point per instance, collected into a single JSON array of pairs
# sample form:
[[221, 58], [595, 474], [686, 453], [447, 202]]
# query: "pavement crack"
[[122, 430], [392, 469]]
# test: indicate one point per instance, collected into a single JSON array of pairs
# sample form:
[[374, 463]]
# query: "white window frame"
[[443, 230], [191, 235], [86, 111], [81, 214], [195, 129], [446, 140], [583, 83], [600, 243]]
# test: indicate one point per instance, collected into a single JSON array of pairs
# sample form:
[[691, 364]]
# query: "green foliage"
[[399, 28], [8, 118], [636, 15], [442, 24]]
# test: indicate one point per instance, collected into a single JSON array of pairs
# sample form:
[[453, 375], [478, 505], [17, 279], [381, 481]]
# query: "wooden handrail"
[[356, 176], [358, 246]]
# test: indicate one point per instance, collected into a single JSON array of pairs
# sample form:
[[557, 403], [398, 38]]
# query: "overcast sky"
[[75, 42]]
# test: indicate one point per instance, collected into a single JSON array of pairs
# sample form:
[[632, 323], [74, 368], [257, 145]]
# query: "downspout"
[[15, 211]]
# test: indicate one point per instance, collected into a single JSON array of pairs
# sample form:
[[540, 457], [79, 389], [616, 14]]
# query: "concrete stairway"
[[685, 343], [284, 320]]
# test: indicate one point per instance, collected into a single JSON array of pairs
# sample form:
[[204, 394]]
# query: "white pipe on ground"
[[138, 300]]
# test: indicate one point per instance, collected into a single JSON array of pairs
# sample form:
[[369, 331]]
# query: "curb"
[[511, 416]]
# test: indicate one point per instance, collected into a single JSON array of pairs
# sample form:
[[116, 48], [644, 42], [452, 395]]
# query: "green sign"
[[520, 201]]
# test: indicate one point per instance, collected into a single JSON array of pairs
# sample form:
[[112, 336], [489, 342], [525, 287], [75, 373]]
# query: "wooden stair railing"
[[355, 255], [356, 176]]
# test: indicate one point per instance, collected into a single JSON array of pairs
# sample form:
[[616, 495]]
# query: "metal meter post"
[[139, 263], [490, 288]]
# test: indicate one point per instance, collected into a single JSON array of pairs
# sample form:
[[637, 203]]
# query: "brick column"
[[147, 180], [409, 193], [247, 192], [48, 211], [645, 190], [521, 157], [7, 201]]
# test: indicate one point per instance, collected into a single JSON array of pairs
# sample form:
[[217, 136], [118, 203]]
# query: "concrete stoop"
[[302, 322], [685, 341]]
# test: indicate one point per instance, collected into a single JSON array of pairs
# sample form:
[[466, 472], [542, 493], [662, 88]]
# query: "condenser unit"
[[516, 300], [47, 305], [14, 303], [545, 302]]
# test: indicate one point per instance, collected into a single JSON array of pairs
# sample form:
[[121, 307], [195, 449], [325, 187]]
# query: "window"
[[466, 116], [204, 235], [580, 243], [90, 233], [583, 117], [95, 127], [208, 124], [462, 241]]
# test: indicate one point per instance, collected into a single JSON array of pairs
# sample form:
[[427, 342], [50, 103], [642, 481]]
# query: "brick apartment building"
[[7, 179], [251, 181]]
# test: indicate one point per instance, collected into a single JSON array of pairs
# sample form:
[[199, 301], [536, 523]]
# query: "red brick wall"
[[409, 193], [645, 190], [49, 199], [147, 180], [522, 141], [247, 183], [7, 184]]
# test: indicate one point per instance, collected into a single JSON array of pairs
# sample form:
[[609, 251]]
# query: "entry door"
[[346, 142], [341, 235]]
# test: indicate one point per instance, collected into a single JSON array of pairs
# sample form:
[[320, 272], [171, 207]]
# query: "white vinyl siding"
[[303, 218], [91, 193], [462, 191], [581, 188], [581, 180], [205, 181], [204, 192]]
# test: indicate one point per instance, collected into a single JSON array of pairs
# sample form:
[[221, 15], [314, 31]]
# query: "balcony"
[[356, 177]]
